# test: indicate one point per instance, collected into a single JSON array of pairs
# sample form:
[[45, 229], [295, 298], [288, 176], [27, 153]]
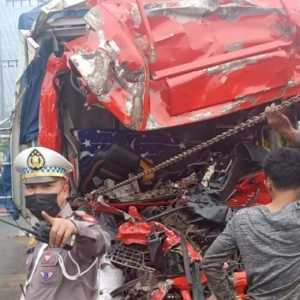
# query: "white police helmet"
[[40, 164]]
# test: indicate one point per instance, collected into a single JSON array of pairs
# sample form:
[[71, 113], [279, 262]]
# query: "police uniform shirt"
[[48, 281]]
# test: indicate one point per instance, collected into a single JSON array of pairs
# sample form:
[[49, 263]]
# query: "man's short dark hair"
[[282, 166]]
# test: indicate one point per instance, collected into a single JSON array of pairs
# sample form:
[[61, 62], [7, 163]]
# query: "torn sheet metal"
[[250, 191], [119, 79], [139, 233], [94, 67], [61, 17], [162, 74], [58, 5]]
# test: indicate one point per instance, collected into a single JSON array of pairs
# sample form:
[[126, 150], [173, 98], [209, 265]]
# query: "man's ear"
[[65, 186]]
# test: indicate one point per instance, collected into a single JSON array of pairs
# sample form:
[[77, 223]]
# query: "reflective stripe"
[[38, 258]]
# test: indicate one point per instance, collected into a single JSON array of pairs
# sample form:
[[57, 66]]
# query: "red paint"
[[187, 80], [202, 69], [181, 284], [250, 191], [139, 232], [240, 284], [239, 62], [49, 132], [133, 212]]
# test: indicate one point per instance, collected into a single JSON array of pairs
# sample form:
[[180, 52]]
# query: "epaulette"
[[83, 216]]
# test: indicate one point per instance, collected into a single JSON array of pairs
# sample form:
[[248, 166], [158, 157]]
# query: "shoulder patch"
[[83, 216]]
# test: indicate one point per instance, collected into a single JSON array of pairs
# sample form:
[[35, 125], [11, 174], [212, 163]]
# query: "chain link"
[[185, 154]]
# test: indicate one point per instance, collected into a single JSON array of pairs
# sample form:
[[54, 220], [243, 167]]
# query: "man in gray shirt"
[[267, 237]]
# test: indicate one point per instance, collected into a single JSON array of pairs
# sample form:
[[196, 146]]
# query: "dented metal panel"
[[169, 63], [57, 5]]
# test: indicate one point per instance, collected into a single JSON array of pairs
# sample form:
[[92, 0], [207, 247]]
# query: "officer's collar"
[[66, 212]]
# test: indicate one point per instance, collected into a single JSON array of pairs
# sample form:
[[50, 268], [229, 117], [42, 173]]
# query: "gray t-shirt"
[[269, 244]]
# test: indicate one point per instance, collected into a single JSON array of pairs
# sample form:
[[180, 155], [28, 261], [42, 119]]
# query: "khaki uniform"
[[47, 267]]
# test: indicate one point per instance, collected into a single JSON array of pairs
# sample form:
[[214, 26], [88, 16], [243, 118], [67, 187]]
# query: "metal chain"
[[218, 138]]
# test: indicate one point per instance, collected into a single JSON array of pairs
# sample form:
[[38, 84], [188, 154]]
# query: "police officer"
[[54, 273]]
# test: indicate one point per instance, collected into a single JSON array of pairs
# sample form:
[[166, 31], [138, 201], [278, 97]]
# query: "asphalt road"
[[12, 262]]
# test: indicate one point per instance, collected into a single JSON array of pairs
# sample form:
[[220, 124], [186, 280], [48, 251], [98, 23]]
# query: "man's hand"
[[61, 230], [280, 122]]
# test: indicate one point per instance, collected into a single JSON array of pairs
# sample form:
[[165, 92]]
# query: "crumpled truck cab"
[[119, 87]]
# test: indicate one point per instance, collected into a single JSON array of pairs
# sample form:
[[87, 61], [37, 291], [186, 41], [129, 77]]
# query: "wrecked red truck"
[[119, 87]]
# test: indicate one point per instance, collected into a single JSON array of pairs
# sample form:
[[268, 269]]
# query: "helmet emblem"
[[35, 160]]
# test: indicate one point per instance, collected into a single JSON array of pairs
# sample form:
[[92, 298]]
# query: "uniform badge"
[[47, 275], [46, 257], [35, 160]]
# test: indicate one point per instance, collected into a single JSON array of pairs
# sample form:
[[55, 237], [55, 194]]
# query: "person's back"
[[267, 238], [269, 244]]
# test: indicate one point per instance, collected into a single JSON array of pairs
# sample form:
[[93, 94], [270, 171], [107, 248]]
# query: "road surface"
[[12, 262]]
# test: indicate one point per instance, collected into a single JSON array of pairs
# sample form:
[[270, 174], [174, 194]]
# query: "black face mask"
[[37, 203]]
